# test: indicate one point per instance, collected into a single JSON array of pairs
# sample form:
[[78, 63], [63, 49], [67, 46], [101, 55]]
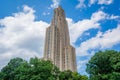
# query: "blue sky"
[[93, 25]]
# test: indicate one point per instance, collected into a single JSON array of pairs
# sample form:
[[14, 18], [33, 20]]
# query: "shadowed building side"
[[57, 43]]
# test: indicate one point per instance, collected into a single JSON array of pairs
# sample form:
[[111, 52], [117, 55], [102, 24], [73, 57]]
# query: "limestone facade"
[[57, 43]]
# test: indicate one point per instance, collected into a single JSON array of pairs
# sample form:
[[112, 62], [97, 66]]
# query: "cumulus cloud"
[[102, 41], [101, 2], [21, 36], [78, 28], [107, 2], [114, 17], [81, 4], [100, 15], [55, 3], [92, 1]]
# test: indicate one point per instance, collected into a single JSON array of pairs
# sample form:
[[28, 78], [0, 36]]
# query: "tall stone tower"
[[57, 43]]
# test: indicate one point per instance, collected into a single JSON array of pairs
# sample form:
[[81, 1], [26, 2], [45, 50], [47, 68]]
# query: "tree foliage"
[[104, 65], [36, 69], [7, 73], [69, 75]]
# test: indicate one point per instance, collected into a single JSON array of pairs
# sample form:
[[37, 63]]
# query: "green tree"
[[36, 69], [66, 75], [104, 65], [7, 73], [69, 75]]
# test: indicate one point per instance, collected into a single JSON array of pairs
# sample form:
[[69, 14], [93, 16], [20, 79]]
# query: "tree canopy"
[[69, 75], [104, 65], [8, 72], [36, 69]]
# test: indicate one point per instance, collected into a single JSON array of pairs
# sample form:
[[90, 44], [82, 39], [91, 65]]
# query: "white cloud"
[[81, 4], [21, 36], [107, 2], [101, 41], [101, 2], [92, 2], [55, 3], [77, 29], [114, 17], [100, 15]]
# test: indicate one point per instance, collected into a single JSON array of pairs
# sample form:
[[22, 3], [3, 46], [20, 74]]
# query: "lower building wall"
[[70, 59]]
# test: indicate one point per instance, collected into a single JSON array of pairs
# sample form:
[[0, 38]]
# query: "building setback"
[[57, 43]]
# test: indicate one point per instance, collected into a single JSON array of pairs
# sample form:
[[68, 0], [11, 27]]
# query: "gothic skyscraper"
[[57, 43]]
